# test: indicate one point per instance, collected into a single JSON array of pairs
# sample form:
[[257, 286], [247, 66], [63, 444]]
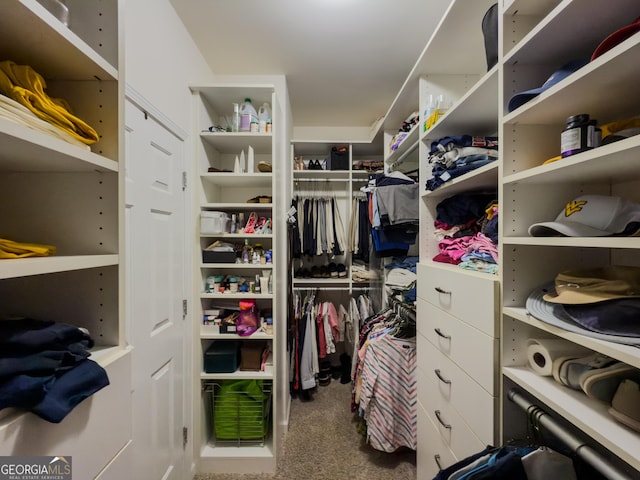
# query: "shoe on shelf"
[[261, 199], [333, 270], [602, 383], [315, 272], [250, 227], [341, 270], [264, 167], [264, 226]]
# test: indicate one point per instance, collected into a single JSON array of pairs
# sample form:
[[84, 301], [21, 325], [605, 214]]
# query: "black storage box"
[[210, 256], [338, 159], [222, 356]]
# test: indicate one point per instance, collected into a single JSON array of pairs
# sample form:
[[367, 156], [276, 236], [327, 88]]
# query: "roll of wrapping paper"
[[541, 352]]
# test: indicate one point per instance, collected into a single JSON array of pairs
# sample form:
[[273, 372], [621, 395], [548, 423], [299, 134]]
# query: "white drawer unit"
[[472, 350], [453, 428], [470, 297], [450, 383], [433, 453]]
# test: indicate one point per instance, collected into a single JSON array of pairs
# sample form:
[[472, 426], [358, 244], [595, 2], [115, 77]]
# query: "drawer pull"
[[445, 425], [442, 379], [436, 457], [437, 330], [440, 290]]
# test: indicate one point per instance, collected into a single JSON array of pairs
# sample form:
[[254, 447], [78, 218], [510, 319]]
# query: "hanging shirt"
[[388, 394]]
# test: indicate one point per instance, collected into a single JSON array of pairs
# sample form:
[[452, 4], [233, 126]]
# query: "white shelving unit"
[[57, 193], [457, 320], [229, 192], [342, 185], [537, 38]]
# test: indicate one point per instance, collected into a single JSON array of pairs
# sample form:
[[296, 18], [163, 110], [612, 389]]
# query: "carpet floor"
[[323, 444]]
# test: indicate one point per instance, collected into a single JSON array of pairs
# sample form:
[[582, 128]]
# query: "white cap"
[[591, 216]]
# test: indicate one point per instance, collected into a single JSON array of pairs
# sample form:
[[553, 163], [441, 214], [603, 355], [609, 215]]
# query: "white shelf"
[[231, 180], [235, 142], [28, 150], [588, 415], [617, 161], [236, 206], [257, 236], [240, 375], [483, 178], [241, 452], [52, 49], [238, 266], [536, 8], [237, 296], [406, 145], [614, 72], [558, 36], [23, 267], [592, 242], [211, 332], [476, 113], [625, 353], [321, 174], [322, 281], [452, 17]]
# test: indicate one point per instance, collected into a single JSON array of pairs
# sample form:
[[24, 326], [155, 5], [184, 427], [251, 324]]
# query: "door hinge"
[[184, 181], [185, 435], [184, 309]]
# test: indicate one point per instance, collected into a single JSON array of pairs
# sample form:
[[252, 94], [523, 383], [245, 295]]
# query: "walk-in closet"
[[332, 239]]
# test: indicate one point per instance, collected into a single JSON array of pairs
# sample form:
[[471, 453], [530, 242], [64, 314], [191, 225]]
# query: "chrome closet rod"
[[402, 157], [573, 442], [320, 179], [335, 289]]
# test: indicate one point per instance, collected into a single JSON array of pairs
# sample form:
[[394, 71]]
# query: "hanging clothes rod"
[[573, 442], [332, 289], [403, 157], [321, 180]]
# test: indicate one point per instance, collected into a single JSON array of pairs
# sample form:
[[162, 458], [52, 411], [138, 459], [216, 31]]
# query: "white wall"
[[161, 59]]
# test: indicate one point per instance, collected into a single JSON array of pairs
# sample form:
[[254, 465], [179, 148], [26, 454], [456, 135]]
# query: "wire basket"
[[240, 411]]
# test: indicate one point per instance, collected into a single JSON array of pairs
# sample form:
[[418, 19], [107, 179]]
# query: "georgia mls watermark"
[[35, 468]]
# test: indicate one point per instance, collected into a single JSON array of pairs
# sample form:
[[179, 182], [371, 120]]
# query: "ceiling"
[[344, 60]]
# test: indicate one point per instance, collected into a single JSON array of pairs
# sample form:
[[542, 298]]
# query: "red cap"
[[616, 38]]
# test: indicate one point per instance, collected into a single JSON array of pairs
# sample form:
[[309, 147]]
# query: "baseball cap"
[[592, 216], [554, 314], [616, 38], [563, 72], [617, 317], [575, 287]]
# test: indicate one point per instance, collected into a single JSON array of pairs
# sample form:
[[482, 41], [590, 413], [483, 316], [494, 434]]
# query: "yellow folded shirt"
[[26, 86], [11, 249]]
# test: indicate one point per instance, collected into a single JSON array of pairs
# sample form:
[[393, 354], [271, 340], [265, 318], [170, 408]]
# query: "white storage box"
[[213, 222]]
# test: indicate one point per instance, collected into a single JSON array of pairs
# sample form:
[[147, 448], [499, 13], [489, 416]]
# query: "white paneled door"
[[154, 256]]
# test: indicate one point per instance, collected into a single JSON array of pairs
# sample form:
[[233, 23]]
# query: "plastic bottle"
[[235, 120], [264, 117], [247, 252], [248, 115]]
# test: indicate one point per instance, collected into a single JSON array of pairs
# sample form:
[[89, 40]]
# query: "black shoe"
[[345, 367]]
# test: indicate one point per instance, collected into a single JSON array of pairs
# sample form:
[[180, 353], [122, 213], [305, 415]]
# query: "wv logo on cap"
[[574, 207]]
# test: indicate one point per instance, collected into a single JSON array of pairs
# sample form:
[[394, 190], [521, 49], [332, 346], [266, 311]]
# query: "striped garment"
[[388, 395]]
